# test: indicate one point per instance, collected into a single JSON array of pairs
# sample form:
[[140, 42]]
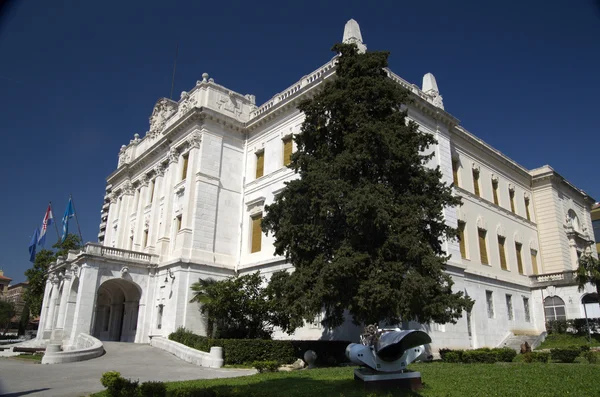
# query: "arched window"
[[573, 220], [554, 307], [590, 304]]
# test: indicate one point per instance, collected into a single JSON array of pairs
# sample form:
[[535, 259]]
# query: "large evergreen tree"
[[363, 225]]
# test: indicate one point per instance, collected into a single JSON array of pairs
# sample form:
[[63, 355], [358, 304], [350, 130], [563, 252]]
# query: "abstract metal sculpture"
[[384, 355]]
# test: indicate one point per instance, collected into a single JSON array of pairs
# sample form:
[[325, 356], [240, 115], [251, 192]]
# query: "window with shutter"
[[476, 183], [461, 239], [482, 247], [534, 265], [519, 259], [455, 172], [256, 234], [495, 192], [287, 150], [184, 167], [502, 253], [260, 164]]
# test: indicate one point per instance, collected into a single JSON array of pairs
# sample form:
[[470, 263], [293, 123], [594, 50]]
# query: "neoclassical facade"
[[186, 200]]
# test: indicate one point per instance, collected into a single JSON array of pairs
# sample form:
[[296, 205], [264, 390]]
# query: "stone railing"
[[410, 87], [110, 252], [214, 359], [86, 347], [559, 278], [295, 88]]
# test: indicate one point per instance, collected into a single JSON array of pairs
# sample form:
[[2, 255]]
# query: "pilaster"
[[57, 332], [45, 307], [86, 300]]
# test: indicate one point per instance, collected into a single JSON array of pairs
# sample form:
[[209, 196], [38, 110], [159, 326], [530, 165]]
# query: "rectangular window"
[[260, 164], [469, 323], [534, 266], [476, 183], [490, 303], [511, 193], [178, 222], [501, 241], [159, 317], [482, 247], [596, 226], [495, 192], [152, 187], [461, 240], [145, 238], [509, 307], [287, 150], [527, 209], [519, 259], [185, 167], [526, 309], [455, 172], [256, 234]]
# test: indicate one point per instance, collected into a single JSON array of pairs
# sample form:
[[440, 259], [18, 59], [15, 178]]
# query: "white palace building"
[[186, 200]]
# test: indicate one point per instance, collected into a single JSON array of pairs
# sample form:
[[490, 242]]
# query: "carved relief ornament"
[[163, 110]]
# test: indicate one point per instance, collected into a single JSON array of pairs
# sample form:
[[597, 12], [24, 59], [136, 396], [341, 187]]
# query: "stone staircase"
[[515, 341]]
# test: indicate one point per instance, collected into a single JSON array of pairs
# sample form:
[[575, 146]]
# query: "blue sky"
[[79, 78]]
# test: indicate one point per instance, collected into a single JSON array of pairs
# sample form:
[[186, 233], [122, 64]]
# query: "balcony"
[[557, 279], [119, 254]]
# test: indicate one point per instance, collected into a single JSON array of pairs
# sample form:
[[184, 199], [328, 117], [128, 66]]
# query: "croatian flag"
[[48, 219]]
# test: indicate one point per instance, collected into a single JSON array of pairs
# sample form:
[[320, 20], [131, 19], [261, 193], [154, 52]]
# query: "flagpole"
[[76, 220], [53, 221]]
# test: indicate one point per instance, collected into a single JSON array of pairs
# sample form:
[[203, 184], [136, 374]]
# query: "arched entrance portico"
[[117, 303]]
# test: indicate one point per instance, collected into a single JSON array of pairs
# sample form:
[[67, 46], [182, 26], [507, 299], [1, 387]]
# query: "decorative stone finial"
[[352, 35], [211, 80], [429, 83], [204, 77]]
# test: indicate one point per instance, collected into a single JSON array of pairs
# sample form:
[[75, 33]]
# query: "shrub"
[[153, 389], [443, 353], [582, 348], [117, 386], [479, 356], [565, 355], [577, 325], [592, 357], [194, 392], [505, 354], [246, 351], [110, 378], [536, 357], [453, 357], [266, 366]]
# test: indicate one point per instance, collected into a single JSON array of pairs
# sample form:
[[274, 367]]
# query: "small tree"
[[7, 312], [237, 307], [588, 272], [363, 225], [38, 274]]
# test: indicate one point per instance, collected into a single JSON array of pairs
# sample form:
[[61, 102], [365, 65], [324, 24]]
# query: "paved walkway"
[[135, 361]]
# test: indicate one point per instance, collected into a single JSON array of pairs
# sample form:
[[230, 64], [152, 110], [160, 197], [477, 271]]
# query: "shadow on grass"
[[24, 393], [292, 387]]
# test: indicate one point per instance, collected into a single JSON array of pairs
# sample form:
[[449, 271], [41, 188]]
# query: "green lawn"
[[37, 358], [441, 379], [566, 340]]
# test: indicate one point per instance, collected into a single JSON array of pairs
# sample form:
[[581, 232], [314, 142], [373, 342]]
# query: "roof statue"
[[430, 88], [352, 35]]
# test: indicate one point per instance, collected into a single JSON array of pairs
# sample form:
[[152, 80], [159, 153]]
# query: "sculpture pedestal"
[[388, 380]]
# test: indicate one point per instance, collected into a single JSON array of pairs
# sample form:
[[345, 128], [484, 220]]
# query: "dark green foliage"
[[7, 311], [109, 378], [588, 272], [153, 389], [479, 356], [117, 386], [565, 355], [246, 351], [195, 392], [266, 366], [536, 357], [482, 355], [23, 320], [363, 225], [237, 307], [574, 326], [593, 357], [36, 276]]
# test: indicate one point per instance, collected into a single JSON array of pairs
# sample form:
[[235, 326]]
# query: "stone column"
[[112, 215], [57, 332], [169, 181], [125, 211], [45, 307], [86, 298], [155, 219], [49, 325]]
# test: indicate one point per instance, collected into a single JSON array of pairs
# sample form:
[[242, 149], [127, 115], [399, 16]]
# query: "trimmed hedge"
[[536, 357], [247, 351], [575, 326], [483, 355], [565, 355]]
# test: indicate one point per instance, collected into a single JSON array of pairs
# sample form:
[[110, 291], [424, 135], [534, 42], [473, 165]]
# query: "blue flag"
[[69, 213], [33, 245]]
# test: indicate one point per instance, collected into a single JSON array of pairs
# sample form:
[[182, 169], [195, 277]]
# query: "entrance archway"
[[592, 308], [117, 303]]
